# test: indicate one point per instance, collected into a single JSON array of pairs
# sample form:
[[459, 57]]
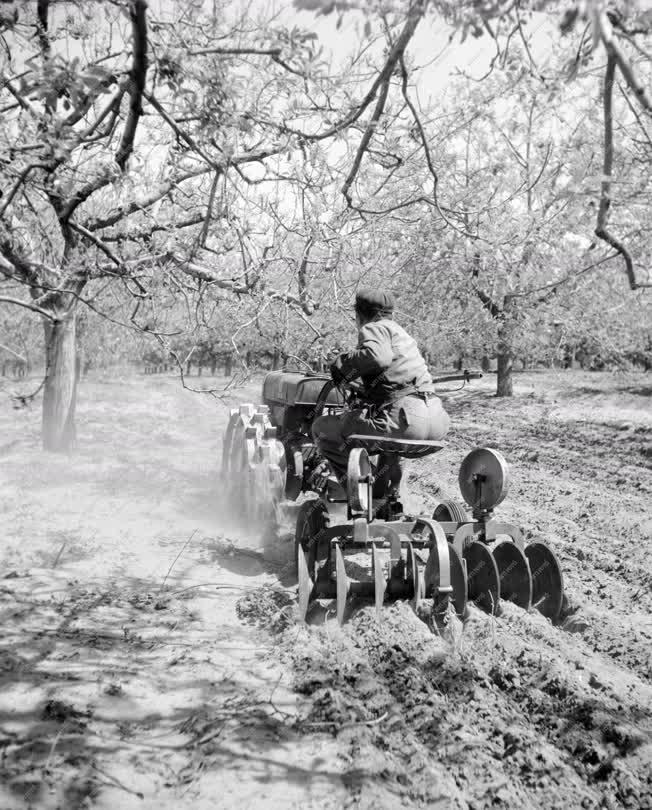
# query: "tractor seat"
[[407, 448]]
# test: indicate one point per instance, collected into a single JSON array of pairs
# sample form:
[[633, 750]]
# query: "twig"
[[25, 398], [217, 587], [27, 305], [52, 747], [175, 560], [57, 558], [271, 701], [348, 725], [208, 737], [117, 782]]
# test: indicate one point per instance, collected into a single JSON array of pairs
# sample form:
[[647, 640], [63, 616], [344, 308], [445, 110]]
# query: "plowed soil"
[[150, 654]]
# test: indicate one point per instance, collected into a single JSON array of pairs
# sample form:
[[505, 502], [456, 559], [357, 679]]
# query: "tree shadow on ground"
[[122, 678]]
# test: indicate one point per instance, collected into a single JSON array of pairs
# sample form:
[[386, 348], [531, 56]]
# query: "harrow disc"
[[482, 572], [459, 583], [414, 575], [484, 478], [441, 575], [380, 583], [547, 579], [343, 585], [514, 573]]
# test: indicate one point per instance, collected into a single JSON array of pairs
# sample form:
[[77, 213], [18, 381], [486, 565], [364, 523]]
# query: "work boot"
[[387, 476], [318, 479]]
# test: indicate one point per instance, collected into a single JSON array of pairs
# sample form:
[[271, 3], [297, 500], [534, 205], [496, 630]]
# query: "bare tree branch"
[[302, 279], [137, 12], [487, 301], [42, 25], [636, 115], [28, 305], [206, 274], [144, 234], [140, 205], [19, 182], [201, 242], [237, 51], [415, 14], [364, 142], [97, 242], [601, 230], [615, 52]]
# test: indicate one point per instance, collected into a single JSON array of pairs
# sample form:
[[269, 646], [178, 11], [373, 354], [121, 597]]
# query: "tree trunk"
[[60, 390], [505, 358], [504, 384]]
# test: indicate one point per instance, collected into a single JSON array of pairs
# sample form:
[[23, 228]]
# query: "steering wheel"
[[349, 390]]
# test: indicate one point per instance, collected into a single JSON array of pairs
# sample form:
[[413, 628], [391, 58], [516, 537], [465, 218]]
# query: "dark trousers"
[[411, 417]]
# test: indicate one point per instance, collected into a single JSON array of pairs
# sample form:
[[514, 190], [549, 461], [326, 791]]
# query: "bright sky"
[[430, 47]]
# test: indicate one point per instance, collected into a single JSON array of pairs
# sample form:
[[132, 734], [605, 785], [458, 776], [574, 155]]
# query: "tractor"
[[349, 546]]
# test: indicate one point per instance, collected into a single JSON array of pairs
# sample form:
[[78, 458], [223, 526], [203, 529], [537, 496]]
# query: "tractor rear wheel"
[[450, 512]]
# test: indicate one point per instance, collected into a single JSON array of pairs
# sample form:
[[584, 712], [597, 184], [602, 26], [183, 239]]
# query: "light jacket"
[[389, 362]]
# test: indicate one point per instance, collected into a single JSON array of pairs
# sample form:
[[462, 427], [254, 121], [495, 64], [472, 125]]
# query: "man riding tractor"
[[397, 394]]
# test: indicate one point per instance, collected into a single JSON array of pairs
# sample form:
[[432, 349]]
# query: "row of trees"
[[178, 169]]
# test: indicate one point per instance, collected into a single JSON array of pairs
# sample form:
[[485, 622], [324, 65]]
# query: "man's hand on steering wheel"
[[350, 385], [338, 375]]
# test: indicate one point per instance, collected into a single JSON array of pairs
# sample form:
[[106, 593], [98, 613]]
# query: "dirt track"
[[141, 666]]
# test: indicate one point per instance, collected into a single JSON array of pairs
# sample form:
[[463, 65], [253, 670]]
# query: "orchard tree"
[[100, 126], [138, 146], [514, 179]]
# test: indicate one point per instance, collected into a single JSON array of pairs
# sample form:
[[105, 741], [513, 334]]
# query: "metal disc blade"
[[433, 535], [418, 585], [342, 585], [514, 573], [410, 560], [459, 581], [547, 580], [482, 572], [305, 584], [380, 585], [459, 584]]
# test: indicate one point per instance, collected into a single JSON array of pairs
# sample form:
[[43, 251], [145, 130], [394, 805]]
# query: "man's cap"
[[368, 299]]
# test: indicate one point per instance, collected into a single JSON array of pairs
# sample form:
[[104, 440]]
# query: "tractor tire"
[[450, 512], [294, 478]]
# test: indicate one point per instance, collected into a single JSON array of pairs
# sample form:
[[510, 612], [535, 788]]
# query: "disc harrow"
[[440, 564]]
